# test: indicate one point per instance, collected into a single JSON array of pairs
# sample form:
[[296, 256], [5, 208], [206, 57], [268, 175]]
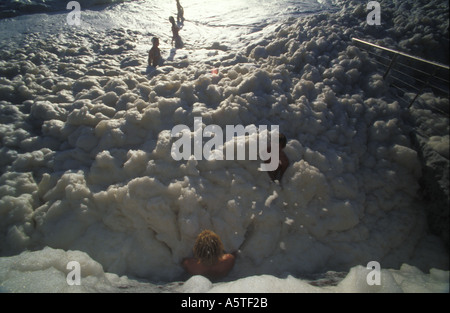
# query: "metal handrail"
[[402, 54], [430, 79]]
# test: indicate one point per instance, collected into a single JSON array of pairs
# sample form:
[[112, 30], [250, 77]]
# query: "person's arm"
[[273, 175], [228, 263], [190, 265], [184, 263], [284, 164]]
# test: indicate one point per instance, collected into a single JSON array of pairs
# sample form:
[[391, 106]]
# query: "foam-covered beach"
[[87, 173]]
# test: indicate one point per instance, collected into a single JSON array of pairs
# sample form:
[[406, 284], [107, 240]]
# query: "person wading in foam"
[[175, 34], [180, 14], [283, 163], [209, 258], [154, 55]]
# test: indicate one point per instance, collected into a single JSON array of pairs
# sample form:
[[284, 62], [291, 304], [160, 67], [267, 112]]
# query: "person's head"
[[208, 247], [172, 20], [155, 41], [283, 141]]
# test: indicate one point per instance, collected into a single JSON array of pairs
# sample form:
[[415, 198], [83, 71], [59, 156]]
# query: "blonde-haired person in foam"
[[209, 258]]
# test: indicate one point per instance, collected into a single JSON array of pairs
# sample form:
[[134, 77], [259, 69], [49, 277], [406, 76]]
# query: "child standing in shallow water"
[[154, 55], [175, 34], [180, 14]]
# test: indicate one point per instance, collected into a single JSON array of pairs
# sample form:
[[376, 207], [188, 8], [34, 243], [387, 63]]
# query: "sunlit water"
[[230, 23]]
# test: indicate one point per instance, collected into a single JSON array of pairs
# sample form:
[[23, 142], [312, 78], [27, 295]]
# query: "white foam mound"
[[46, 271], [86, 155], [407, 279]]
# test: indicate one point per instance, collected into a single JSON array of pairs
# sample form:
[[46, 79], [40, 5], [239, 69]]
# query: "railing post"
[[423, 86], [429, 83], [390, 66]]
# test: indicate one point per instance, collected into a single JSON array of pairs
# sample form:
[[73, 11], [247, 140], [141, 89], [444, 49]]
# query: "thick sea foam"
[[85, 156]]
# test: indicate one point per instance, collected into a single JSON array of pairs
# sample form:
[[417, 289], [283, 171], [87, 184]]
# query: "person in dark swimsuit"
[[283, 164], [180, 14], [175, 34], [154, 55]]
